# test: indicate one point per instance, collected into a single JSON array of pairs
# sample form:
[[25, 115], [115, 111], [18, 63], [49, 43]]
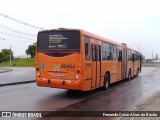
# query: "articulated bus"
[[78, 60]]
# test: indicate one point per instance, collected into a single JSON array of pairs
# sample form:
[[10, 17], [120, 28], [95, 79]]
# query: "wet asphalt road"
[[121, 96], [18, 74]]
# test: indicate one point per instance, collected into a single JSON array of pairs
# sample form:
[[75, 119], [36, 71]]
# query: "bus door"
[[133, 62], [119, 67], [96, 66], [124, 61], [141, 60]]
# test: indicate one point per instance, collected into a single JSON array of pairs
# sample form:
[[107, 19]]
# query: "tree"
[[5, 55], [1, 54], [31, 50]]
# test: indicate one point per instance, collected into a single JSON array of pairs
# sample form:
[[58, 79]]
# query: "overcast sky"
[[134, 22]]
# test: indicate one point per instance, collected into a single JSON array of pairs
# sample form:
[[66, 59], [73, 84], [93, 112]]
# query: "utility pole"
[[10, 56], [152, 54]]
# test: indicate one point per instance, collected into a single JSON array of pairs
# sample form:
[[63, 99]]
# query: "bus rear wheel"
[[106, 81]]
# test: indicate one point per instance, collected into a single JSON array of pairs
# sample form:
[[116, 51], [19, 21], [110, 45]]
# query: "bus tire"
[[106, 81]]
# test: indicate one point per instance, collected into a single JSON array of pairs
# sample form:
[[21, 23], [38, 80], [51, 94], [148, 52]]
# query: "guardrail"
[[151, 64]]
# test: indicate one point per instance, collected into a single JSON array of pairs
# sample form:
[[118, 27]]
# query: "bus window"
[[104, 55], [58, 43], [115, 53], [105, 51], [141, 62], [138, 57], [98, 53], [135, 54], [133, 57], [129, 55], [111, 52], [94, 53], [87, 48], [119, 55]]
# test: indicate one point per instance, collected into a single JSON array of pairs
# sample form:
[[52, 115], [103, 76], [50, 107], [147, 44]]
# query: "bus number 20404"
[[67, 66]]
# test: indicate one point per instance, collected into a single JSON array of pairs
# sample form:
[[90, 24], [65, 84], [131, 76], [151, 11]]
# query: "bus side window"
[[111, 51], [98, 53], [119, 55], [133, 57], [115, 53], [105, 51], [104, 55], [129, 56], [141, 59], [138, 57], [94, 53], [87, 48]]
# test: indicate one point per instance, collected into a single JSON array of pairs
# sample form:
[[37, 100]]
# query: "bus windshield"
[[56, 40]]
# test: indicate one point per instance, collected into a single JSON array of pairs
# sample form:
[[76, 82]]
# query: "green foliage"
[[25, 62], [31, 50], [5, 55], [1, 54]]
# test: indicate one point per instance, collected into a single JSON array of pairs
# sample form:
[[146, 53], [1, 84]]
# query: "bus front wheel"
[[106, 81]]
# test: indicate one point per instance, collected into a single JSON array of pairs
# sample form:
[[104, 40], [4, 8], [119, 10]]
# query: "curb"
[[16, 83], [141, 106], [6, 71]]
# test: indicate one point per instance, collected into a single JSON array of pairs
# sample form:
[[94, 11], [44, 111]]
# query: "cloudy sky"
[[135, 22]]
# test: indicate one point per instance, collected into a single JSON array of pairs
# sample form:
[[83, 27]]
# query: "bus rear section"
[[58, 59], [131, 62]]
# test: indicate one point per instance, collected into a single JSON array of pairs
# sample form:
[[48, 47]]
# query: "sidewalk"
[[150, 104], [151, 64], [16, 75]]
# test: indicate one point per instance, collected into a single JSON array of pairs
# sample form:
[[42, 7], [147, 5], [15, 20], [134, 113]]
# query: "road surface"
[[124, 95], [18, 74], [121, 96]]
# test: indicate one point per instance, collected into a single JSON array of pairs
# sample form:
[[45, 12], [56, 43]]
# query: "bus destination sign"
[[57, 41]]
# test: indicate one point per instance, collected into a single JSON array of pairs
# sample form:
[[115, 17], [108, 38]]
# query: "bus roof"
[[133, 49], [99, 37], [86, 33], [60, 29]]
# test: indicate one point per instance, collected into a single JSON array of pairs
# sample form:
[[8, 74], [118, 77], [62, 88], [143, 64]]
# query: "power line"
[[4, 27], [2, 39], [18, 21], [26, 42], [14, 35]]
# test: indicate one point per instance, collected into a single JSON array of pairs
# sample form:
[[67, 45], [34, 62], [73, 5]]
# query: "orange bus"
[[78, 60]]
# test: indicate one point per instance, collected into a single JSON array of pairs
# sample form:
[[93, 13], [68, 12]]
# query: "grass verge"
[[24, 62]]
